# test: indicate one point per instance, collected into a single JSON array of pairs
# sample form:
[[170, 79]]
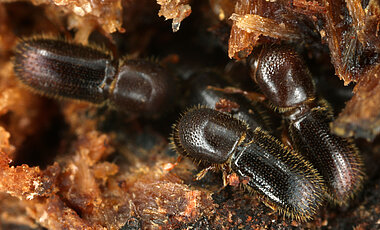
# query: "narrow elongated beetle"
[[200, 94], [283, 177], [287, 83], [61, 69]]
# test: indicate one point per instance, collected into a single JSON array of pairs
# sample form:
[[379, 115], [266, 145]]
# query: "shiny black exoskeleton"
[[283, 177], [61, 69], [287, 83]]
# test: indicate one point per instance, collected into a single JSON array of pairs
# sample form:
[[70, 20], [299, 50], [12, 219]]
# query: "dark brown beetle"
[[61, 69], [285, 180], [200, 93], [287, 83]]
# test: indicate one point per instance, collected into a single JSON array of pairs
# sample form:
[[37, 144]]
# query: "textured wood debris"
[[177, 10], [66, 165], [354, 51]]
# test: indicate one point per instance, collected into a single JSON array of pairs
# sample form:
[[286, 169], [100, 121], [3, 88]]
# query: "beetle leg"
[[285, 138], [203, 172]]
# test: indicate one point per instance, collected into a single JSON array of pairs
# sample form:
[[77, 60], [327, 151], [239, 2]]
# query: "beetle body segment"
[[282, 76], [141, 86], [336, 158], [57, 68], [279, 174], [208, 135]]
